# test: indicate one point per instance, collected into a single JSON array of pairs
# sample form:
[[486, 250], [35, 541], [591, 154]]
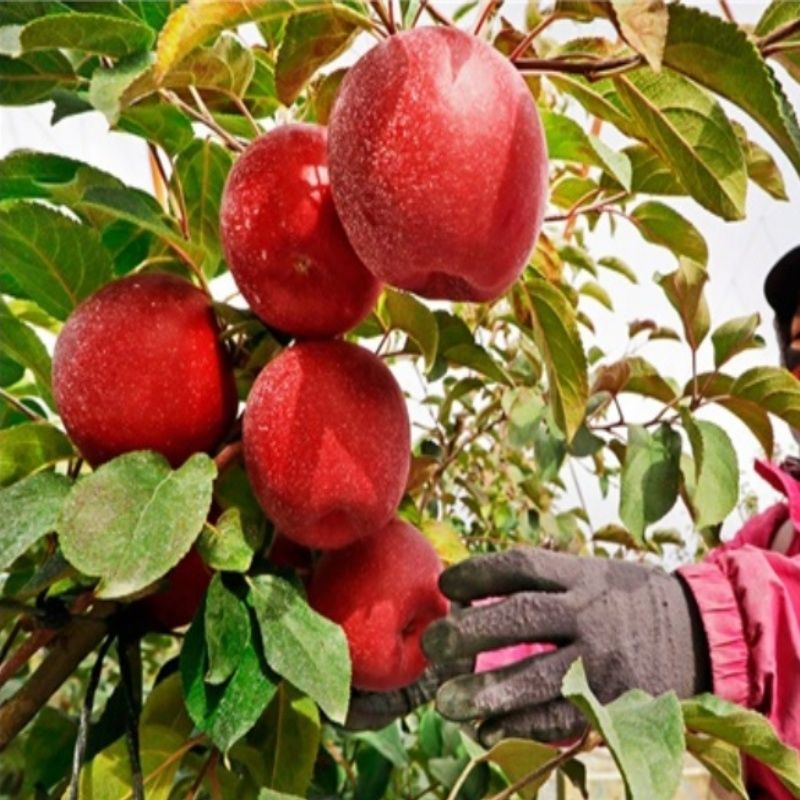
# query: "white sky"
[[740, 253]]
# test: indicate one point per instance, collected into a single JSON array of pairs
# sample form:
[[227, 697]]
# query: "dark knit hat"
[[782, 285]]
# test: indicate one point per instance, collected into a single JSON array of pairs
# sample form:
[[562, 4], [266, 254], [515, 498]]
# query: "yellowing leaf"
[[643, 24]]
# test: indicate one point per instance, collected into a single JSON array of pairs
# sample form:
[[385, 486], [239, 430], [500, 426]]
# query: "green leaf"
[[201, 170], [30, 78], [160, 123], [324, 92], [290, 748], [226, 544], [48, 746], [716, 484], [404, 312], [57, 261], [30, 447], [619, 266], [446, 541], [518, 758], [21, 344], [311, 41], [225, 712], [721, 759], [734, 337], [748, 731], [684, 290], [165, 706], [87, 33], [29, 509], [650, 477], [663, 226], [299, 644], [476, 358], [597, 292], [690, 131], [643, 24], [20, 13], [133, 519], [109, 84], [649, 173], [568, 141], [269, 794], [227, 628], [774, 389], [108, 775], [556, 333], [721, 56], [644, 735], [388, 742]]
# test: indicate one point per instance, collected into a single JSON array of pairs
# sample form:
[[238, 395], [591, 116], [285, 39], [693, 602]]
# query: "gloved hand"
[[634, 626]]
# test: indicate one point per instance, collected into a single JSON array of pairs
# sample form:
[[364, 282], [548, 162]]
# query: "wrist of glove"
[[634, 626]]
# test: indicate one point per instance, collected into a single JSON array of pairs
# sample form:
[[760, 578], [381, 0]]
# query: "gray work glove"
[[634, 626]]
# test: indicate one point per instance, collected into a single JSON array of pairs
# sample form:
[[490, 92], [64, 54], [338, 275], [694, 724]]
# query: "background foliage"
[[516, 395]]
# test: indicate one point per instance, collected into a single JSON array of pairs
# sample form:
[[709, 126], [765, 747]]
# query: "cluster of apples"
[[432, 178]]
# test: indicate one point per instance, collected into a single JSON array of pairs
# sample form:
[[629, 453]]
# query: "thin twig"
[[131, 716], [21, 407], [486, 14], [10, 639], [383, 15], [245, 112], [726, 10], [79, 752], [598, 207], [589, 67], [546, 22], [170, 760], [207, 120], [228, 455], [198, 781], [437, 16], [779, 34]]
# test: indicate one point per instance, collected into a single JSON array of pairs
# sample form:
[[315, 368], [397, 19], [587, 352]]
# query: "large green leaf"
[[29, 509], [691, 132], [661, 225], [716, 478], [644, 735], [310, 41], [721, 56], [684, 290], [404, 312], [133, 519], [762, 168], [774, 389], [30, 78], [650, 477], [29, 447], [201, 170], [518, 758], [305, 648], [734, 337], [158, 122], [747, 730], [227, 628], [21, 344], [88, 33], [58, 262], [649, 173], [568, 141], [226, 711], [721, 759], [556, 333]]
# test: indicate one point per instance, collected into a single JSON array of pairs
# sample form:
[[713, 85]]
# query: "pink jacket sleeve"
[[749, 601]]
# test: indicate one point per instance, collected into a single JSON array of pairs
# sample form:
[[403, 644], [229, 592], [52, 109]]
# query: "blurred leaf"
[[311, 40], [476, 358], [20, 13], [388, 742], [299, 644], [227, 629], [716, 483], [290, 748], [89, 33], [643, 24], [109, 84], [690, 131], [598, 293], [650, 477], [777, 14], [261, 96], [198, 21], [133, 519], [649, 173], [644, 735], [19, 342], [446, 541], [404, 312], [684, 290], [518, 758], [201, 170], [661, 225], [721, 56], [568, 141], [55, 260], [557, 338], [722, 760], [225, 544], [269, 794], [572, 192], [619, 266], [616, 534], [748, 731], [774, 389], [29, 509], [29, 447], [225, 712], [160, 123], [374, 773], [165, 706], [734, 337], [30, 78], [48, 749], [324, 93], [154, 14]]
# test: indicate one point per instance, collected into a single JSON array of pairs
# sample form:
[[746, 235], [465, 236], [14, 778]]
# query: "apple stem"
[[386, 17], [433, 13], [532, 34]]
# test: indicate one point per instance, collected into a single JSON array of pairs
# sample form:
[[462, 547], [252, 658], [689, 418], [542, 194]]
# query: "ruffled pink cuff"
[[724, 627]]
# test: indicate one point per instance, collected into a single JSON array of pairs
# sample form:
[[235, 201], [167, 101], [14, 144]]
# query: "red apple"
[[326, 443], [139, 366], [384, 592], [176, 605], [439, 165], [283, 240]]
